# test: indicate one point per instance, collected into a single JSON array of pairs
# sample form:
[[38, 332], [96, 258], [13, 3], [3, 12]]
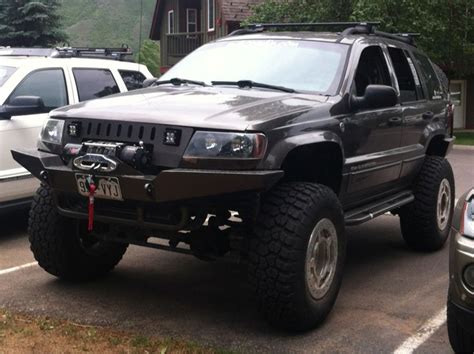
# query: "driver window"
[[48, 84], [372, 70]]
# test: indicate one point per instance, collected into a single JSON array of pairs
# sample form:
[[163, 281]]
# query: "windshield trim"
[[331, 92]]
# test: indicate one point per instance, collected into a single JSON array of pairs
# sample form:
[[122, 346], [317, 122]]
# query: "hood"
[[200, 107]]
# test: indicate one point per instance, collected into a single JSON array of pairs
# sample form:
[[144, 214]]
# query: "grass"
[[464, 138], [23, 333]]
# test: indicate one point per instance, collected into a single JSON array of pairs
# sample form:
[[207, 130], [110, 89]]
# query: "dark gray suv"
[[264, 144]]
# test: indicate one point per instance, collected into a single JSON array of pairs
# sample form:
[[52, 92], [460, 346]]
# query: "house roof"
[[230, 10]]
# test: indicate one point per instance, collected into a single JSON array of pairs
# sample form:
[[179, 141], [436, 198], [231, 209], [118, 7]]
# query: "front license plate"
[[107, 187]]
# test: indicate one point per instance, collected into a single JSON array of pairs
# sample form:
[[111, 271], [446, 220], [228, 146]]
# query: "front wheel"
[[460, 337], [63, 247], [426, 222], [297, 254]]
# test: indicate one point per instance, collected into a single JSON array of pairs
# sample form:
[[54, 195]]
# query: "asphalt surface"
[[388, 292]]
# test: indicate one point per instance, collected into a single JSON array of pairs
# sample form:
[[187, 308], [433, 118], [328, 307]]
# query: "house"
[[183, 25], [462, 96]]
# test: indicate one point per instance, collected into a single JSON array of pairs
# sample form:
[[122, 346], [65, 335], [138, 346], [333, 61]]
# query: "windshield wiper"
[[250, 84], [176, 81]]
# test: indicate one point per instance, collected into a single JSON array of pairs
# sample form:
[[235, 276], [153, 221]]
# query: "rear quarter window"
[[94, 83], [133, 79]]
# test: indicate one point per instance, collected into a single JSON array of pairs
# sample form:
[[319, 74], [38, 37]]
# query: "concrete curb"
[[463, 147]]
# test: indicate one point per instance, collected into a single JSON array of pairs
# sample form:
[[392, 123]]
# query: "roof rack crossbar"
[[405, 38], [365, 27]]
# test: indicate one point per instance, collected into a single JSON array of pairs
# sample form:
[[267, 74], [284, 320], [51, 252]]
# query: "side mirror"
[[375, 96], [149, 82], [21, 106]]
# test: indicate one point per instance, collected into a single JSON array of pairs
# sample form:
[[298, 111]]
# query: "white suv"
[[35, 81]]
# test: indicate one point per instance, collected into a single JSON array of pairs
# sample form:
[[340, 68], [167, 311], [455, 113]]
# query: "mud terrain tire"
[[57, 245], [297, 255]]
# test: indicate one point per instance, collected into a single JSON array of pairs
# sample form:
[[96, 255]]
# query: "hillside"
[[106, 22]]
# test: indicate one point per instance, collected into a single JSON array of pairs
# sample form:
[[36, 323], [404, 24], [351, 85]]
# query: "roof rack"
[[70, 52], [347, 28], [96, 53]]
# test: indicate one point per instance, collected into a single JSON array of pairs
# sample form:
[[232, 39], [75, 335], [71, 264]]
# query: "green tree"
[[27, 23], [446, 27], [149, 55]]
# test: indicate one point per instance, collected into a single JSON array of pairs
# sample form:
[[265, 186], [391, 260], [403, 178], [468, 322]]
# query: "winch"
[[103, 156]]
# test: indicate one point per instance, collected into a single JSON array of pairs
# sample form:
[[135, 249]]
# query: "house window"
[[170, 21], [211, 15], [191, 20]]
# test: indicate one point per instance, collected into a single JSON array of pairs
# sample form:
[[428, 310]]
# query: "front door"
[[457, 88], [21, 132], [371, 136]]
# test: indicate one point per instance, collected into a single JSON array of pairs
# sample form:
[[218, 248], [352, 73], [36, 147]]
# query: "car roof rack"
[[95, 53], [348, 28], [121, 53]]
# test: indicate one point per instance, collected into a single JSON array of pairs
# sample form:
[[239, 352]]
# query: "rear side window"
[[94, 83], [132, 79], [372, 70], [405, 75], [435, 91], [48, 84]]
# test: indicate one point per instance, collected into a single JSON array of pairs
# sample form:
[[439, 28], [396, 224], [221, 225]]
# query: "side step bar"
[[377, 208]]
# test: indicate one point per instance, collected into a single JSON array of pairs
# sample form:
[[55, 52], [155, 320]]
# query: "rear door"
[[415, 110], [425, 116]]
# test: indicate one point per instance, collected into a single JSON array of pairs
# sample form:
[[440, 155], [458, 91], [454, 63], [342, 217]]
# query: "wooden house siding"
[[228, 14]]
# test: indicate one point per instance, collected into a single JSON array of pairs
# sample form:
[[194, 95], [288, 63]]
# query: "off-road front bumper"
[[168, 186]]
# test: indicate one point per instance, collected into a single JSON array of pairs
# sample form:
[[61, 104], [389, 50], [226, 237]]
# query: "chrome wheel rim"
[[321, 258], [443, 206]]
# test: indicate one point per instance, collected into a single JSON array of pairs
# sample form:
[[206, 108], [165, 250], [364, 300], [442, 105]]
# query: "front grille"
[[126, 132], [152, 135]]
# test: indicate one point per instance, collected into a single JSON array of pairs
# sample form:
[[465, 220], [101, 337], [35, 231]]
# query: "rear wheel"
[[425, 222], [297, 255], [63, 247]]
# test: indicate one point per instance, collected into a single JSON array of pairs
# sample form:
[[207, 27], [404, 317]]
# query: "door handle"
[[427, 115], [395, 121]]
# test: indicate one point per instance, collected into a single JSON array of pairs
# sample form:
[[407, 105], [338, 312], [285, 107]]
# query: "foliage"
[[446, 27], [28, 23], [149, 55], [107, 23]]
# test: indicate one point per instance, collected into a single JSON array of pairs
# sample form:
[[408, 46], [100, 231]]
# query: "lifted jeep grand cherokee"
[[266, 144]]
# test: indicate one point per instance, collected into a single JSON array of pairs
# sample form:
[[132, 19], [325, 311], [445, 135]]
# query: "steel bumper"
[[168, 186]]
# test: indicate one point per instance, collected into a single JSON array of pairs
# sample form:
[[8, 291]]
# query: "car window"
[[132, 79], [435, 91], [94, 83], [49, 84], [372, 70], [405, 78], [5, 73]]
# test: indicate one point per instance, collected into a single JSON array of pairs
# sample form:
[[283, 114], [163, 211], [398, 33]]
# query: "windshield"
[[296, 64], [5, 73]]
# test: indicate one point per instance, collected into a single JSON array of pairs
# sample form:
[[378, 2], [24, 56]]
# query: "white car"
[[35, 81]]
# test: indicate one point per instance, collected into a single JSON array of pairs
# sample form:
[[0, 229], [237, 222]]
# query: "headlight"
[[226, 145], [52, 131]]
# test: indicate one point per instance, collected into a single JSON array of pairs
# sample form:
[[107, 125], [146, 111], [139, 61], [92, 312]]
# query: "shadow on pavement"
[[13, 224]]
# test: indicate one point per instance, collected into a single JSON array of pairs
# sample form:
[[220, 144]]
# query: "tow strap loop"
[[92, 189]]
